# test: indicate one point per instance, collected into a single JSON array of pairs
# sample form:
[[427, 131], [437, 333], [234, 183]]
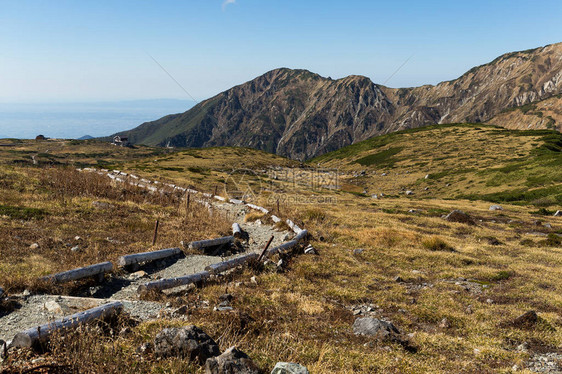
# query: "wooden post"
[[278, 211], [155, 233], [266, 247], [34, 335], [216, 187]]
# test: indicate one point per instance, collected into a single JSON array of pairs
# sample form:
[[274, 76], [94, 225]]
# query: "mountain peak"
[[300, 114]]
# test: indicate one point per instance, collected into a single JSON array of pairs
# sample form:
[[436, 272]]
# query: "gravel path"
[[32, 312]]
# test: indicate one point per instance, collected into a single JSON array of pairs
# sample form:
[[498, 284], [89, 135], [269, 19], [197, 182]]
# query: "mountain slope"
[[543, 114], [474, 161], [300, 114]]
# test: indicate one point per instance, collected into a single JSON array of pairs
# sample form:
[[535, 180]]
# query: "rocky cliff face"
[[300, 114]]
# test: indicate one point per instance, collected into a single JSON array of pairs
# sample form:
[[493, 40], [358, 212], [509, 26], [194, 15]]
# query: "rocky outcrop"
[[190, 342], [300, 114], [232, 361]]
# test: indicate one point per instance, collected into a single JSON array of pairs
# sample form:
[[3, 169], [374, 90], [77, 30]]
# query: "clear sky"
[[80, 50]]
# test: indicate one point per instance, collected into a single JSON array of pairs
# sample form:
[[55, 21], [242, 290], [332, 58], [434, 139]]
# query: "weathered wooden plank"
[[275, 219], [211, 242], [220, 198], [84, 272], [37, 334], [137, 258], [164, 284], [236, 201], [227, 265]]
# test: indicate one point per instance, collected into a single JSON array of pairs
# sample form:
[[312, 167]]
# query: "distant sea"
[[74, 120]]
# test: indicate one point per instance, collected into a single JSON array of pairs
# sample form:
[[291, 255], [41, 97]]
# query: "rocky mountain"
[[539, 115], [300, 114]]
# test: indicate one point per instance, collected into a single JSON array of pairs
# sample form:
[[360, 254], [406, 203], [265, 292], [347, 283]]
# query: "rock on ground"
[[289, 368], [232, 361], [375, 327], [190, 342], [459, 216]]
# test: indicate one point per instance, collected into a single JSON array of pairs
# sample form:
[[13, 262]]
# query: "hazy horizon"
[[74, 120]]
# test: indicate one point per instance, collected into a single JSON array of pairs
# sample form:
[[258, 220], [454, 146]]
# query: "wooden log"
[[148, 256], [256, 207], [32, 336], [275, 219], [164, 284], [155, 233], [301, 235], [85, 272], [211, 242], [220, 198], [236, 201], [293, 226], [282, 248], [236, 230], [229, 264], [189, 190]]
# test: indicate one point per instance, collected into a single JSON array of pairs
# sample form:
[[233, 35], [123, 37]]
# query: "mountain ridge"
[[300, 114]]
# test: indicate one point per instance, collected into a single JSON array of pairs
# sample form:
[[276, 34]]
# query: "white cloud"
[[225, 3]]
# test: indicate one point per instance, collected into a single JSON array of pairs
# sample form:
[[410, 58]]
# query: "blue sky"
[[66, 50]]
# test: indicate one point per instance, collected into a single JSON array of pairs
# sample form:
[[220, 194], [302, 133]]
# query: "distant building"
[[121, 141], [40, 137]]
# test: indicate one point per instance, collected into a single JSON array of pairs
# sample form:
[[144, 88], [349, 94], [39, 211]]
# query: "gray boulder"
[[232, 361], [375, 327], [190, 342], [289, 368], [496, 207]]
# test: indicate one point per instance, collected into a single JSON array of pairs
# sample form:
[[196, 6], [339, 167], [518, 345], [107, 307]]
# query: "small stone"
[[259, 222], [182, 310], [358, 251], [190, 342], [226, 297], [523, 347], [254, 280], [409, 192], [26, 293], [489, 301], [459, 216], [444, 324], [75, 248], [138, 275], [53, 307], [34, 246], [375, 327], [289, 368], [398, 279], [310, 250], [232, 361], [77, 238], [496, 207], [548, 225], [528, 318]]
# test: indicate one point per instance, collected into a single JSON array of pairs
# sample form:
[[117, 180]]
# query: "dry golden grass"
[[111, 220]]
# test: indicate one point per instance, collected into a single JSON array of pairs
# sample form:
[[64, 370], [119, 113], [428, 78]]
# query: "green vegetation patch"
[[24, 213], [383, 158]]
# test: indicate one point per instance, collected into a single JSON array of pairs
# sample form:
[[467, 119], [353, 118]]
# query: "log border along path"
[[113, 306]]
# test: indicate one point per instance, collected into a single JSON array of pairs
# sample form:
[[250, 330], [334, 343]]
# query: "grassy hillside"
[[452, 289], [472, 161]]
